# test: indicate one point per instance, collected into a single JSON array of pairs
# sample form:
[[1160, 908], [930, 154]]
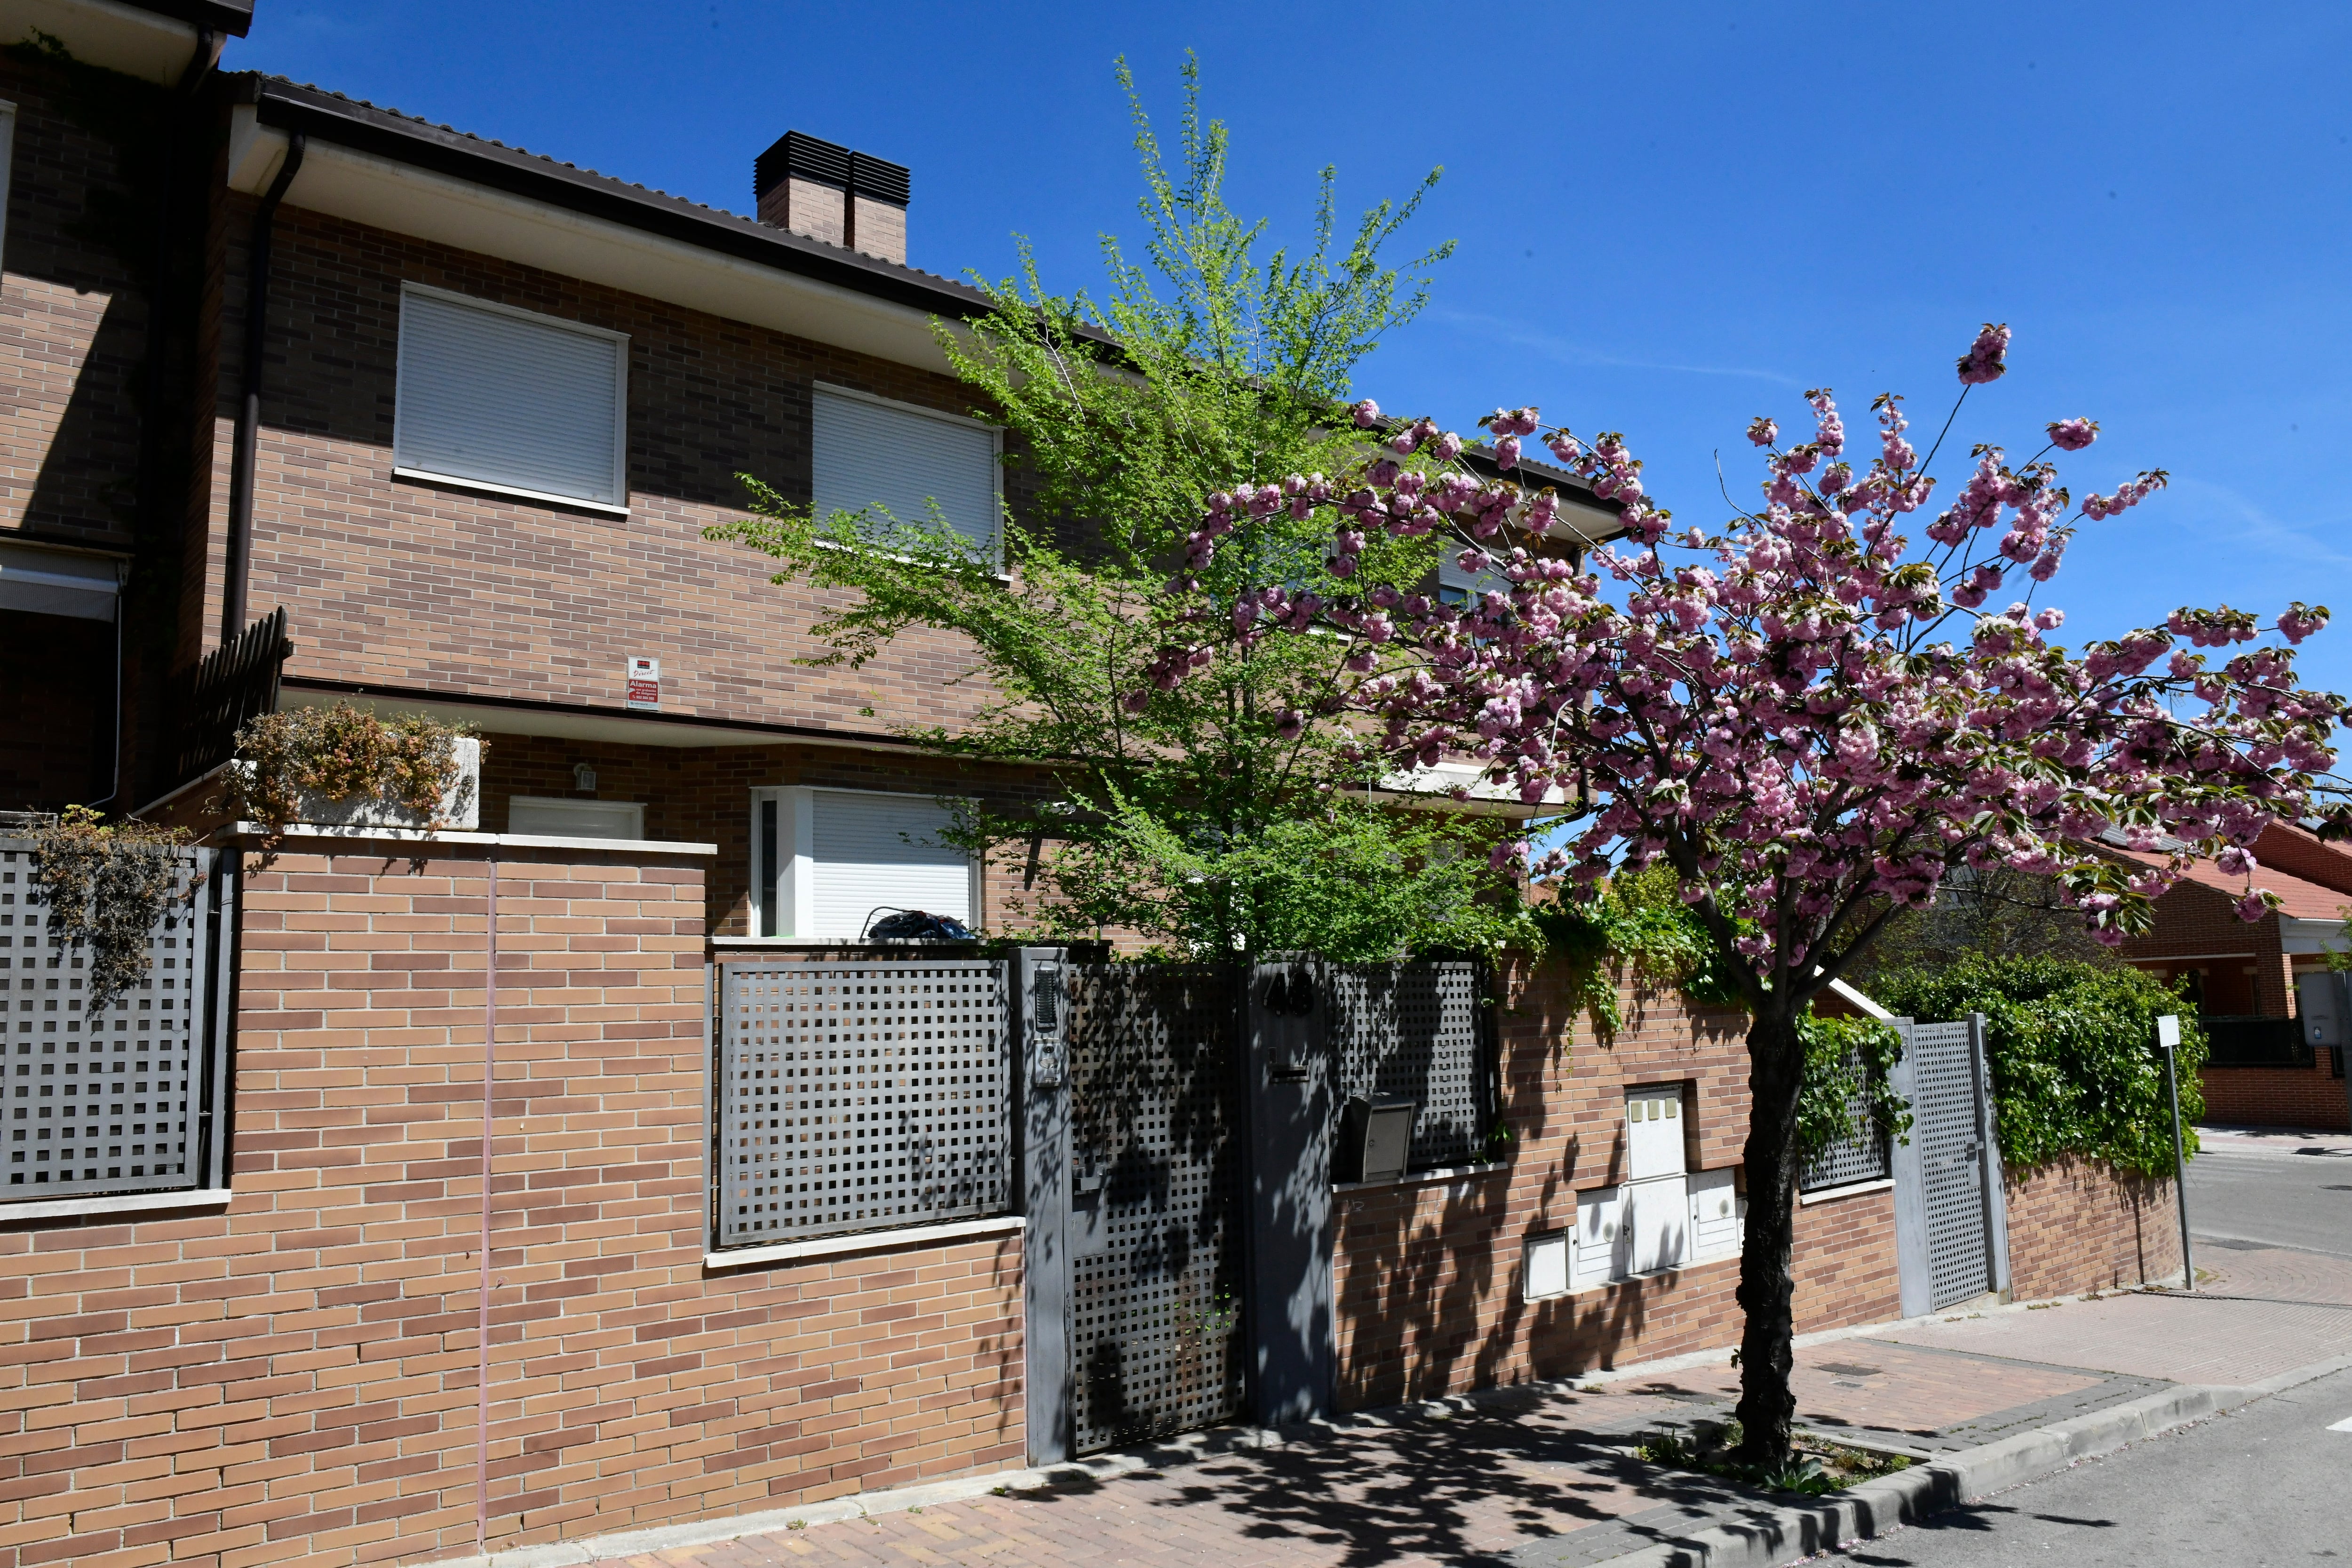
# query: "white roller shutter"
[[502, 397], [880, 851], [869, 452]]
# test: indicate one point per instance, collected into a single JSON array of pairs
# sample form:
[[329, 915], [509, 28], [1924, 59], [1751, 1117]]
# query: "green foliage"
[[1847, 1063], [1637, 922], [106, 886], [2074, 1065], [1347, 879], [1815, 1466], [1225, 815]]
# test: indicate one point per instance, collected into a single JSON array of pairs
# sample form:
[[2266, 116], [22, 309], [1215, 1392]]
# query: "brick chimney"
[[828, 193]]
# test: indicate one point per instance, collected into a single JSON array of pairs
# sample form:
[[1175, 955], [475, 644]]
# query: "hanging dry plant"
[[106, 887], [338, 753]]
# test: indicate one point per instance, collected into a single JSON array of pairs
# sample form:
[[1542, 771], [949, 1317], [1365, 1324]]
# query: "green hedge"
[[2074, 1065]]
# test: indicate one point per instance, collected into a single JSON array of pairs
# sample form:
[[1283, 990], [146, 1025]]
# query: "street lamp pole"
[[2168, 1037]]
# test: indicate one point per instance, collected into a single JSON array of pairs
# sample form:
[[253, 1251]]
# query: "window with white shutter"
[[507, 400], [827, 863], [871, 452]]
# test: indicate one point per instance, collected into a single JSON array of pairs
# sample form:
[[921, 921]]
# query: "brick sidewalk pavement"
[[1546, 1480], [1490, 1486], [1473, 1488]]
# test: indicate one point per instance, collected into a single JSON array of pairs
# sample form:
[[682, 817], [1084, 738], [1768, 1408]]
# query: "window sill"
[[1423, 1178], [997, 570], [1683, 1268], [861, 1241], [487, 487], [498, 840], [111, 1203], [1851, 1190]]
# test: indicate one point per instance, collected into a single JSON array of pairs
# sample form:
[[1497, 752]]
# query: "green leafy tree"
[[1223, 814]]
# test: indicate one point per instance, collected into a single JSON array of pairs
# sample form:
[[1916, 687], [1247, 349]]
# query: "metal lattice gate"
[[1154, 1225], [1949, 1107], [860, 1096]]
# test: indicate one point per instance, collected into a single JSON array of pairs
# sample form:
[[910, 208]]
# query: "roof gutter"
[[249, 409]]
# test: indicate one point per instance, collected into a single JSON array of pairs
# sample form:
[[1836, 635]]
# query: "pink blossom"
[[1782, 705], [2073, 434], [1366, 412], [1984, 361]]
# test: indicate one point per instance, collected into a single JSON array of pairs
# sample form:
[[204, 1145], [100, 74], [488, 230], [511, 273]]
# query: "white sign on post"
[[641, 685], [2168, 1031]]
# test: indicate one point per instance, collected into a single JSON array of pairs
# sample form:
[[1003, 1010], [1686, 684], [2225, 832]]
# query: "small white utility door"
[[1654, 1132], [1546, 1272], [1604, 1247], [1659, 1216], [1714, 1215]]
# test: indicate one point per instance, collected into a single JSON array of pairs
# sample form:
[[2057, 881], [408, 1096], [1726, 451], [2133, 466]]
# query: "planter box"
[[461, 806]]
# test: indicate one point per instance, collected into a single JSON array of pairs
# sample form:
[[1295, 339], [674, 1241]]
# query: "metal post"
[[2168, 1035]]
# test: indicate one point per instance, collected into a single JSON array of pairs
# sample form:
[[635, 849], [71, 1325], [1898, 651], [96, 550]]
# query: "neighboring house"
[[102, 219], [2263, 988]]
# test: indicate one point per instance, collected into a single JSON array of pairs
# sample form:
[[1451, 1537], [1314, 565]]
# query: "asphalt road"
[[2257, 1488], [2303, 1201]]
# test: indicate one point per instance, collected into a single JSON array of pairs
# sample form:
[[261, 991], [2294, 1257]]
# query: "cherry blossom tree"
[[1812, 721]]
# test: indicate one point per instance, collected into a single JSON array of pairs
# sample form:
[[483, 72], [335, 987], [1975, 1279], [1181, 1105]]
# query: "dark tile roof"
[[353, 122]]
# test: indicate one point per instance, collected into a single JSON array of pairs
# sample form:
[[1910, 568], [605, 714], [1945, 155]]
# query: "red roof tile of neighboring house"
[[2299, 899]]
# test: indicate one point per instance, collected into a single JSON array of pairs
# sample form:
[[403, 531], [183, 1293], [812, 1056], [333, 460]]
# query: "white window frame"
[[796, 855], [8, 168], [620, 404], [995, 455]]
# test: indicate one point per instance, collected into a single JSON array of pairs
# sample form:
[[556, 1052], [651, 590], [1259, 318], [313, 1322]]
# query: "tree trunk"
[[1767, 1409]]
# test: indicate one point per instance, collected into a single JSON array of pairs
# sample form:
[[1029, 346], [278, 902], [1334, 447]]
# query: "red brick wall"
[[2076, 1226], [422, 586], [73, 328], [2246, 966], [2310, 1097], [295, 1379], [1428, 1279]]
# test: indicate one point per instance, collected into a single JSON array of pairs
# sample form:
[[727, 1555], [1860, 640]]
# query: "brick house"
[[432, 1253], [2263, 988]]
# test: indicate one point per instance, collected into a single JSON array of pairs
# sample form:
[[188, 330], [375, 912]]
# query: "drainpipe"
[[248, 410]]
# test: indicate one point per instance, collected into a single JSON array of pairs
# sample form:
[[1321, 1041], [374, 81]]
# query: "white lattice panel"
[[99, 1102], [860, 1096]]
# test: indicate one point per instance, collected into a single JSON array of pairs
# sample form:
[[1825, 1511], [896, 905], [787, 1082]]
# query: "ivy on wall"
[[1847, 1064]]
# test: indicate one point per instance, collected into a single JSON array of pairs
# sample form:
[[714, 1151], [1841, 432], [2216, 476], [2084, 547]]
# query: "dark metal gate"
[[1153, 1227], [1177, 1124]]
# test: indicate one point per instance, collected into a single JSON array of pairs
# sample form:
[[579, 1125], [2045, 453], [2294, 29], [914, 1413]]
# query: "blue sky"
[[1671, 217]]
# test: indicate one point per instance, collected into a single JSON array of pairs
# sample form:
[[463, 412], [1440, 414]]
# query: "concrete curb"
[[1786, 1534]]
